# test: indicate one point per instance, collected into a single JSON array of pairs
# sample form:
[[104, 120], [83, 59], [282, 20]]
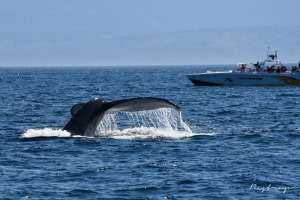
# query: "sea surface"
[[241, 142]]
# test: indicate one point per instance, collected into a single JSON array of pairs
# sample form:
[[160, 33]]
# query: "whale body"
[[87, 116]]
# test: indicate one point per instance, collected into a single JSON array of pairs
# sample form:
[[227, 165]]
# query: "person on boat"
[[257, 64], [272, 70], [278, 70], [243, 68], [268, 69], [294, 69], [282, 69], [258, 69]]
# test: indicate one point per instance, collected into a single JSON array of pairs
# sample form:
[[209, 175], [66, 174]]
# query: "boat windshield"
[[244, 67]]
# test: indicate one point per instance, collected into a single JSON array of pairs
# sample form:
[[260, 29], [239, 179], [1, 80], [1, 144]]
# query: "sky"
[[144, 32]]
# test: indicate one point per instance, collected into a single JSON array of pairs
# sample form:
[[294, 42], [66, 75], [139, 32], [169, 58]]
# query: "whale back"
[[86, 117]]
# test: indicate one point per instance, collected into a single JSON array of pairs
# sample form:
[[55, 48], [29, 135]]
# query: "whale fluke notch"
[[87, 116]]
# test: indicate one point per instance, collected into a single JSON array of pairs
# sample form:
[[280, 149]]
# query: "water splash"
[[146, 133], [46, 132], [155, 124], [160, 123]]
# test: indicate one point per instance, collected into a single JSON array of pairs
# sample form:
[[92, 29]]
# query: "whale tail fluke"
[[140, 104], [87, 116]]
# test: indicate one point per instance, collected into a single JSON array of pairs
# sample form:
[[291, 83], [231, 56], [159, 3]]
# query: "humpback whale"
[[87, 116]]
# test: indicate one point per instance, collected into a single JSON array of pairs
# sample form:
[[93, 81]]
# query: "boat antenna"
[[268, 53]]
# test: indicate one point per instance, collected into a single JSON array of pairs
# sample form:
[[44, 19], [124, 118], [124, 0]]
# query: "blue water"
[[245, 141]]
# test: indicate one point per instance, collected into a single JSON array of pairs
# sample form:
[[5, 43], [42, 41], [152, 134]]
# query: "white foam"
[[46, 132], [145, 133], [138, 133]]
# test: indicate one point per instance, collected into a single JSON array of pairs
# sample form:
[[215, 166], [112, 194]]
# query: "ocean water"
[[241, 142]]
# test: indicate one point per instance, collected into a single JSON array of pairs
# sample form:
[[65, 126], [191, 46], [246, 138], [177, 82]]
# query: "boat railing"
[[266, 72], [257, 68]]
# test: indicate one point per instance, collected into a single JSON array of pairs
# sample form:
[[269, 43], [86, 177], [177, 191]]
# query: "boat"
[[270, 72]]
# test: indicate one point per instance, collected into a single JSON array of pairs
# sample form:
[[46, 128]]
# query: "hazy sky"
[[34, 32]]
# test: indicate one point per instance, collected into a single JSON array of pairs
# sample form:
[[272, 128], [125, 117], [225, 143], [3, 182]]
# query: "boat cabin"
[[270, 64]]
